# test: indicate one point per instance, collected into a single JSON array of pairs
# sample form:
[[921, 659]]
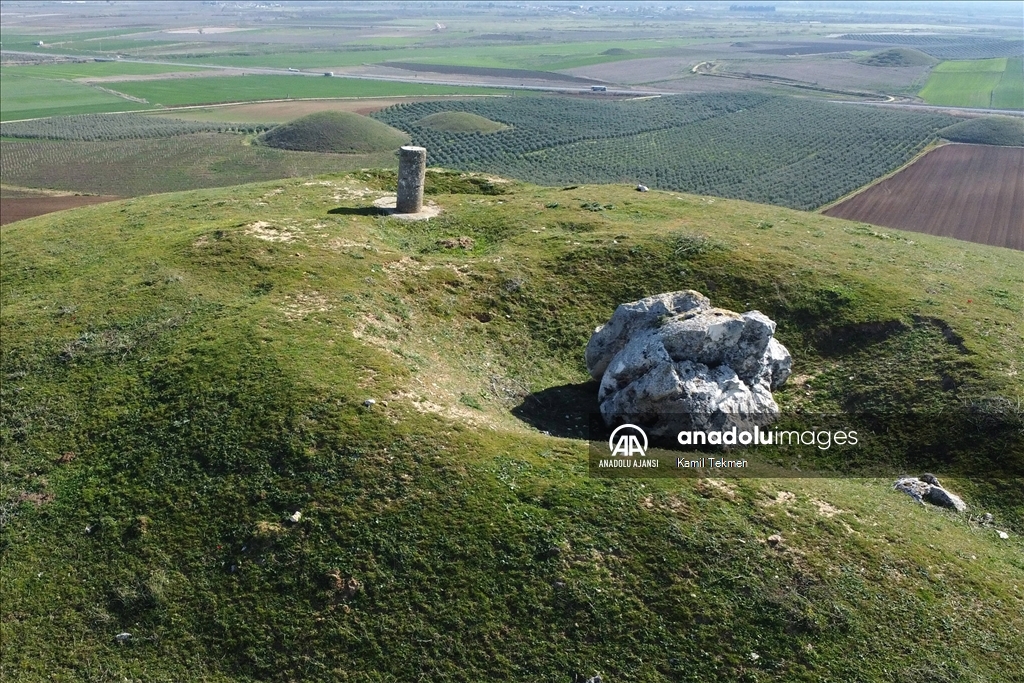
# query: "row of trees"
[[777, 150], [97, 127]]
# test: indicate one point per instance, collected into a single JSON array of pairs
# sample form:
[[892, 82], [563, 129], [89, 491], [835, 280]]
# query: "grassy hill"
[[987, 130], [185, 372], [334, 131], [898, 56], [460, 122]]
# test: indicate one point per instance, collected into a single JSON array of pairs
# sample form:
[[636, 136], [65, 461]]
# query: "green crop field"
[[176, 92], [777, 150], [983, 83], [184, 373], [24, 97], [1009, 93], [72, 70], [542, 56]]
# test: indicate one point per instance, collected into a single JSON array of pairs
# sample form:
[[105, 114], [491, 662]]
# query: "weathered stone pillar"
[[412, 167]]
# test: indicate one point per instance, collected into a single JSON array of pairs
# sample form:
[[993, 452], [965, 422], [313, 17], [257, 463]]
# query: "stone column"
[[412, 167]]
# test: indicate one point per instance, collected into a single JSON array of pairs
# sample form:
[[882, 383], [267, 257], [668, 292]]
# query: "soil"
[[18, 208], [970, 192]]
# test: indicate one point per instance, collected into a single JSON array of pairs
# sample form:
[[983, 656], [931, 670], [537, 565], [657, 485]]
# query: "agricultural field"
[[836, 74], [969, 192], [176, 92], [95, 127], [983, 83], [88, 70], [19, 208], [25, 97], [954, 47], [136, 167], [775, 150], [282, 112]]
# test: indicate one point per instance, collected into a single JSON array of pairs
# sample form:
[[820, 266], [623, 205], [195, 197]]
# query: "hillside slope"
[[339, 132], [184, 373]]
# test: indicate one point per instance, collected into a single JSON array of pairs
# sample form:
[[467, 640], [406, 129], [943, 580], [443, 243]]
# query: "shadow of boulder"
[[565, 411], [358, 211]]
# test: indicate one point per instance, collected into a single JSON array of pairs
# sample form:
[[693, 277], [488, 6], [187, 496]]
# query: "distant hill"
[[989, 130], [460, 122], [898, 56], [334, 131]]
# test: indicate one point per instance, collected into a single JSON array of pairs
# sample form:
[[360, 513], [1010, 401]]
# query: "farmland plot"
[[970, 192], [184, 162], [778, 150]]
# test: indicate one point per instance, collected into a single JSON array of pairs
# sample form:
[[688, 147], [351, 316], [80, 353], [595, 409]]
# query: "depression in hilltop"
[[547, 341]]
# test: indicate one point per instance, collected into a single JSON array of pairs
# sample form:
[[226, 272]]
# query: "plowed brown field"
[[970, 192], [18, 208]]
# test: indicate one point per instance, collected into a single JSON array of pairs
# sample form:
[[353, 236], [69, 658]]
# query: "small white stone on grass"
[[296, 516], [123, 637], [1003, 535]]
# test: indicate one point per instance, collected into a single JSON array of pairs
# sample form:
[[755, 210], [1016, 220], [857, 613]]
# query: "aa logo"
[[628, 441]]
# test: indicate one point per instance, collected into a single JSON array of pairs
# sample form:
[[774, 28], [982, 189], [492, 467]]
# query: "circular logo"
[[626, 443]]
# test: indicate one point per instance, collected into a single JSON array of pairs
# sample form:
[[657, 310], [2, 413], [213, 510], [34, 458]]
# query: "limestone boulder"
[[673, 361]]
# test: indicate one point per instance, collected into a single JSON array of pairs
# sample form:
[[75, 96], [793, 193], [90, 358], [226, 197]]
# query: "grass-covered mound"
[[898, 56], [339, 132], [183, 373], [1006, 131], [460, 122]]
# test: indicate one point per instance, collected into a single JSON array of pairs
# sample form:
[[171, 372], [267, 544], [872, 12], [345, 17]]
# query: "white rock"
[[674, 362], [296, 516], [123, 637], [923, 492], [1003, 535]]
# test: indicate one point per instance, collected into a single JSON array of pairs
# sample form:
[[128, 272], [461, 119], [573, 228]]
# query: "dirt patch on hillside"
[[19, 208]]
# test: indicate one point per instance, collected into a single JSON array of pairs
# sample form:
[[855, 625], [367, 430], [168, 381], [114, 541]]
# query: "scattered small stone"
[[641, 188], [986, 518], [775, 540], [369, 402], [295, 516], [558, 584], [123, 637], [754, 656], [1003, 535]]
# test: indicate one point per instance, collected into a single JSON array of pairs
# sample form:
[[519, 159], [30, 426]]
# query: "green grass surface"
[[184, 162], [338, 132], [974, 83], [24, 97], [244, 88], [184, 372]]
